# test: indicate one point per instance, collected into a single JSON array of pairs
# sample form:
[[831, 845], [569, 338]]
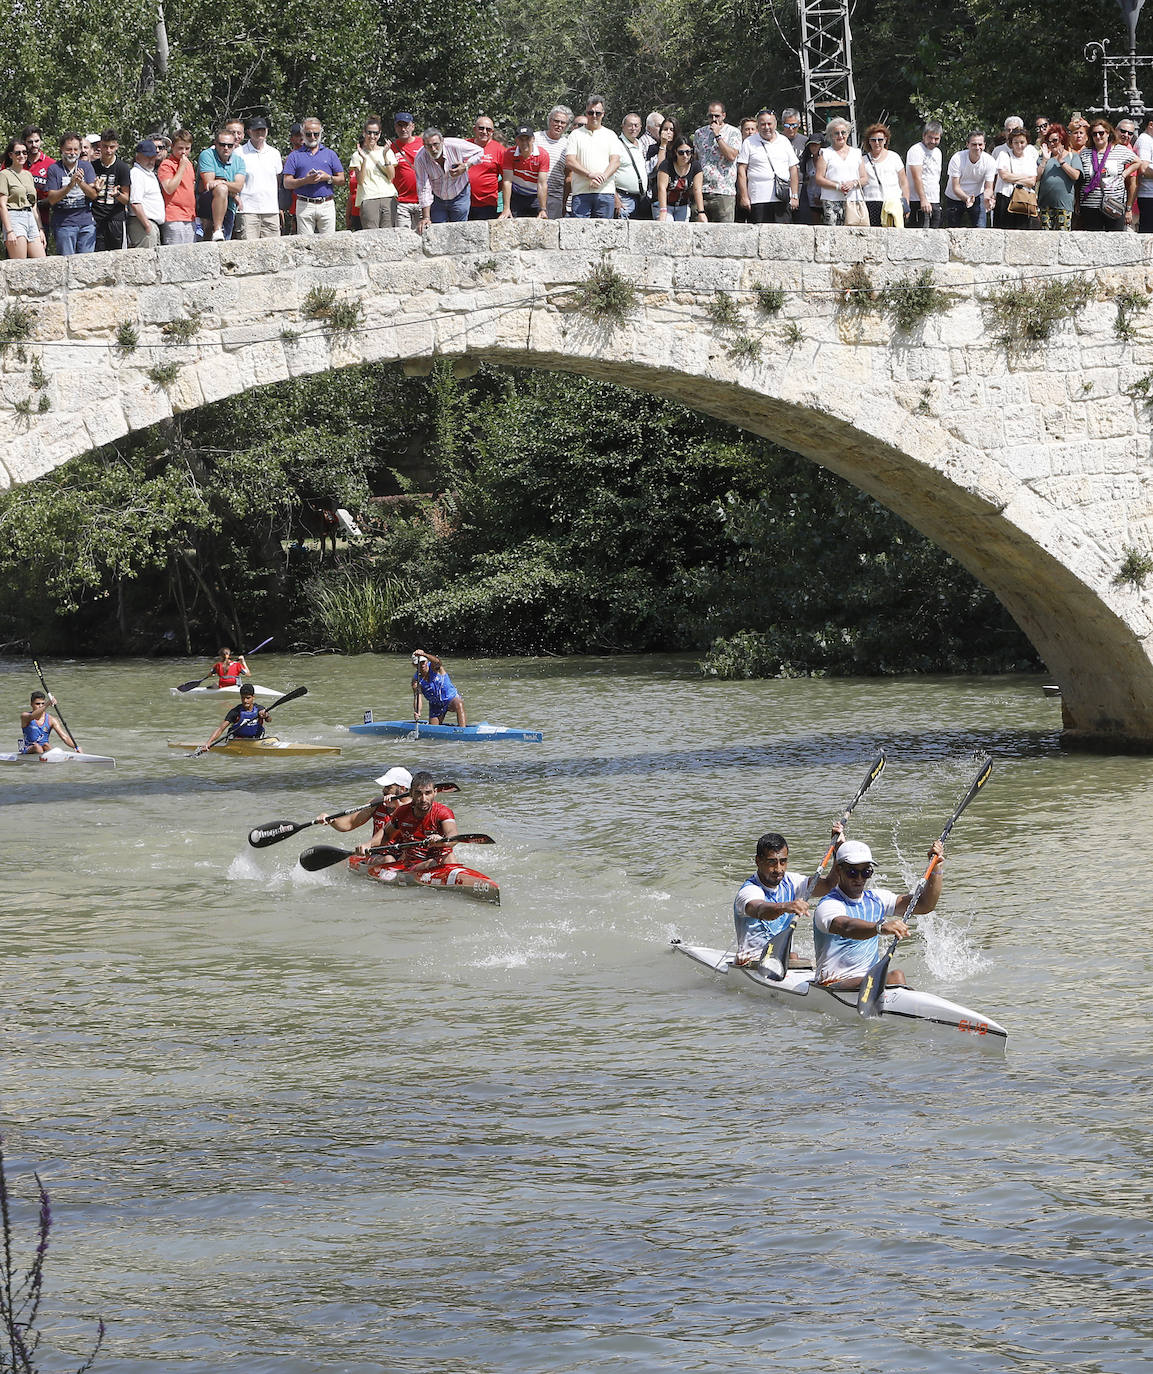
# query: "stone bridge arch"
[[1031, 467]]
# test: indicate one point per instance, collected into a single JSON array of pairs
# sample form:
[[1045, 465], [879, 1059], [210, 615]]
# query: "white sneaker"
[[218, 236]]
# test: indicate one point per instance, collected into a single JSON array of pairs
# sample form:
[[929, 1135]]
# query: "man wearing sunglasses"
[[220, 174], [851, 919], [592, 156], [313, 171]]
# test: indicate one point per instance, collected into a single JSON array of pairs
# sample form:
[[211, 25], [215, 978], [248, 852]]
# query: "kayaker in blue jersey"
[[37, 725], [245, 721], [431, 681], [850, 920], [773, 896]]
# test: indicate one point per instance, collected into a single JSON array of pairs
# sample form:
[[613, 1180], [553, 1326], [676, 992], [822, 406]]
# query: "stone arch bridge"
[[1031, 465]]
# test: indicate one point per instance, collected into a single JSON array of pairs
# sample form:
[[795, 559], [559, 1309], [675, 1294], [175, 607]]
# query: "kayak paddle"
[[188, 686], [325, 855], [59, 712], [275, 831], [870, 778], [228, 734], [873, 983]]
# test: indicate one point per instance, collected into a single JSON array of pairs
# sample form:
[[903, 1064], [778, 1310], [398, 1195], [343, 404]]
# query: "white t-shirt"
[[1006, 162], [971, 176], [837, 956], [1143, 147], [764, 159], [261, 194], [592, 148], [371, 182], [929, 161], [846, 167], [884, 177], [555, 147], [145, 192]]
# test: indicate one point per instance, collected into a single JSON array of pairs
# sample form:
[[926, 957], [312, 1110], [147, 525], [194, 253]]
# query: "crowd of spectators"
[[1084, 174]]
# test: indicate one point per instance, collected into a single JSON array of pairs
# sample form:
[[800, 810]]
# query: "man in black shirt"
[[113, 188]]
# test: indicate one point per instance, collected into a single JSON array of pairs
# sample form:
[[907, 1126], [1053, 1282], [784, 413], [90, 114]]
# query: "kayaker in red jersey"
[[229, 670], [394, 785], [422, 818]]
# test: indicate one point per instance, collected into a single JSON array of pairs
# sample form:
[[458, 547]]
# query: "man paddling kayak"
[[394, 785], [431, 681], [850, 920], [229, 670], [422, 818], [772, 897], [245, 721], [36, 726]]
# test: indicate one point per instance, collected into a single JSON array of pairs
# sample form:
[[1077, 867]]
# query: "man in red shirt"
[[485, 175], [525, 178], [37, 167], [422, 818], [406, 145]]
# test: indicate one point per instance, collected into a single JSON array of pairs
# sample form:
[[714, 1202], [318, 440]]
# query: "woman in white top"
[[841, 173], [1016, 166], [375, 193], [886, 190]]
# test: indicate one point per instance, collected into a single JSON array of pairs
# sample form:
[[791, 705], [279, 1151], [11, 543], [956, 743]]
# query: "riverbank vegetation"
[[513, 513]]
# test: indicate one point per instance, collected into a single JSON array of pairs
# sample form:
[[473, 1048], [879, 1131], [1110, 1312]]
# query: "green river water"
[[296, 1122]]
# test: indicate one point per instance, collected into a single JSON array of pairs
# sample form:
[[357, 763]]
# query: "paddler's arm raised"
[[353, 822], [932, 893], [823, 884]]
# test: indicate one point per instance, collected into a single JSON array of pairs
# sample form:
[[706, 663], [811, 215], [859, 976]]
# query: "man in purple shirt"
[[312, 172], [442, 185]]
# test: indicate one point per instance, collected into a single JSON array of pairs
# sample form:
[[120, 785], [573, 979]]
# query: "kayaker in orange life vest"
[[422, 818], [394, 784], [229, 670]]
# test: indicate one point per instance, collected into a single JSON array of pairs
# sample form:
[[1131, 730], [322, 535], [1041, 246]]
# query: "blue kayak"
[[412, 729]]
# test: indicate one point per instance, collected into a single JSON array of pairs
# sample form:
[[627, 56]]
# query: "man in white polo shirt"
[[146, 204], [923, 165], [592, 157], [259, 209]]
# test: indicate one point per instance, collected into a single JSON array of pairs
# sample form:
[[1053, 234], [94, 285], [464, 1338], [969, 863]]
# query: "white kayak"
[[233, 692], [796, 990], [58, 755]]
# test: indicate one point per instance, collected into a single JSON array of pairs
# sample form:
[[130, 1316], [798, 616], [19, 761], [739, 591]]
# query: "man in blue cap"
[[406, 145]]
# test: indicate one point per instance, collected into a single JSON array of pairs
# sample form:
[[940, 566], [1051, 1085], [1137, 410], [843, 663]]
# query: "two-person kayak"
[[796, 989], [451, 877]]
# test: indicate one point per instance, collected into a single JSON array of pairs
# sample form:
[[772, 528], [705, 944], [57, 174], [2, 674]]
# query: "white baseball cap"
[[854, 852], [398, 777]]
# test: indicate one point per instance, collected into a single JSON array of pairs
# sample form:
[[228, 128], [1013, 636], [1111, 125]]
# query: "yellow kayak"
[[269, 746]]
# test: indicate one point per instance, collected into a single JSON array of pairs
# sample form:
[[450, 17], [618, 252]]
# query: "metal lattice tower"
[[827, 62]]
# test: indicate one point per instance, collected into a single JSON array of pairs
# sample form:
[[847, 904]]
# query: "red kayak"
[[451, 876]]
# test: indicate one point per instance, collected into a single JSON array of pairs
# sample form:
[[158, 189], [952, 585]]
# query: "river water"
[[295, 1122]]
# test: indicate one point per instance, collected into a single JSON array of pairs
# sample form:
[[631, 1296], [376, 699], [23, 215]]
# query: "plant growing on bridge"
[[1136, 565], [163, 374], [127, 336], [38, 375], [605, 294], [913, 300], [15, 326], [745, 349], [1128, 303], [1026, 315], [724, 312], [322, 304], [792, 333], [182, 331], [770, 299], [857, 292]]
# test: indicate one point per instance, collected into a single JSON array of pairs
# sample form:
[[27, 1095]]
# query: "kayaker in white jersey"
[[769, 899], [394, 787], [850, 920]]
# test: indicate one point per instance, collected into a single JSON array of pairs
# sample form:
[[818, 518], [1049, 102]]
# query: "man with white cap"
[[850, 920], [394, 785], [773, 896]]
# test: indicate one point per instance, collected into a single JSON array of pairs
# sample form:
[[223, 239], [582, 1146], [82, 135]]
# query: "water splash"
[[948, 951]]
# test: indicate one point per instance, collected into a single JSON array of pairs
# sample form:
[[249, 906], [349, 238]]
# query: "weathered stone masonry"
[[1032, 468]]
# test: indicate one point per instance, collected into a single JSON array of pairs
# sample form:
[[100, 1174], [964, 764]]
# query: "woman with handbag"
[[1015, 205], [841, 175], [1104, 166], [1057, 177], [887, 189]]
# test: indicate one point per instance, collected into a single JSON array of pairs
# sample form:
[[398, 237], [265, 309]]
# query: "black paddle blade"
[[873, 986], [188, 686], [774, 962], [274, 832], [323, 856], [870, 778], [975, 786], [288, 696], [447, 787]]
